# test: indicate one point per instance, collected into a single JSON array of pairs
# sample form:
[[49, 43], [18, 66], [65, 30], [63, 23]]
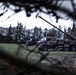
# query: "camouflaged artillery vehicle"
[[57, 44]]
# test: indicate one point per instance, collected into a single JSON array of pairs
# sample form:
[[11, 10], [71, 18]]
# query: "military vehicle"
[[47, 43], [53, 43]]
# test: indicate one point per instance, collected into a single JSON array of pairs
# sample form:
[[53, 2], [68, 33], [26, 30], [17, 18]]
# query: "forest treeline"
[[20, 33]]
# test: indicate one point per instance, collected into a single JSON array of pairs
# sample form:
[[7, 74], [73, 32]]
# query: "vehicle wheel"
[[66, 49], [45, 48], [55, 48], [73, 48]]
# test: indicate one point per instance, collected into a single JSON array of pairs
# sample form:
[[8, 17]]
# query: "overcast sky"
[[31, 22]]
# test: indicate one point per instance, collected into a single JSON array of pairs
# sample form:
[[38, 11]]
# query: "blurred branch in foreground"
[[53, 7]]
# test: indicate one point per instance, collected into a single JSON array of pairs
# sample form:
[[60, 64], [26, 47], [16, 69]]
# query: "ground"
[[6, 68]]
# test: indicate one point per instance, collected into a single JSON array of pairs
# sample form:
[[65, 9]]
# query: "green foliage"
[[19, 33], [52, 32]]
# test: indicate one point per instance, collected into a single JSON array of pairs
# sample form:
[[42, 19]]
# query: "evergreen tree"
[[59, 33], [74, 26], [9, 37], [19, 35], [40, 33], [65, 30], [45, 32], [10, 30], [52, 32]]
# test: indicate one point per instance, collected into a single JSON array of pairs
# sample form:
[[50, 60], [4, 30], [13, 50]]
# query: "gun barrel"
[[58, 28]]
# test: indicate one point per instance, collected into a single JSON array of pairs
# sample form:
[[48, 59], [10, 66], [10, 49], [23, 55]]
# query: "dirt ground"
[[7, 68]]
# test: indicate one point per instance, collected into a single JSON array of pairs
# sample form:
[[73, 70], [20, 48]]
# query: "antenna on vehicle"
[[37, 15], [72, 37]]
